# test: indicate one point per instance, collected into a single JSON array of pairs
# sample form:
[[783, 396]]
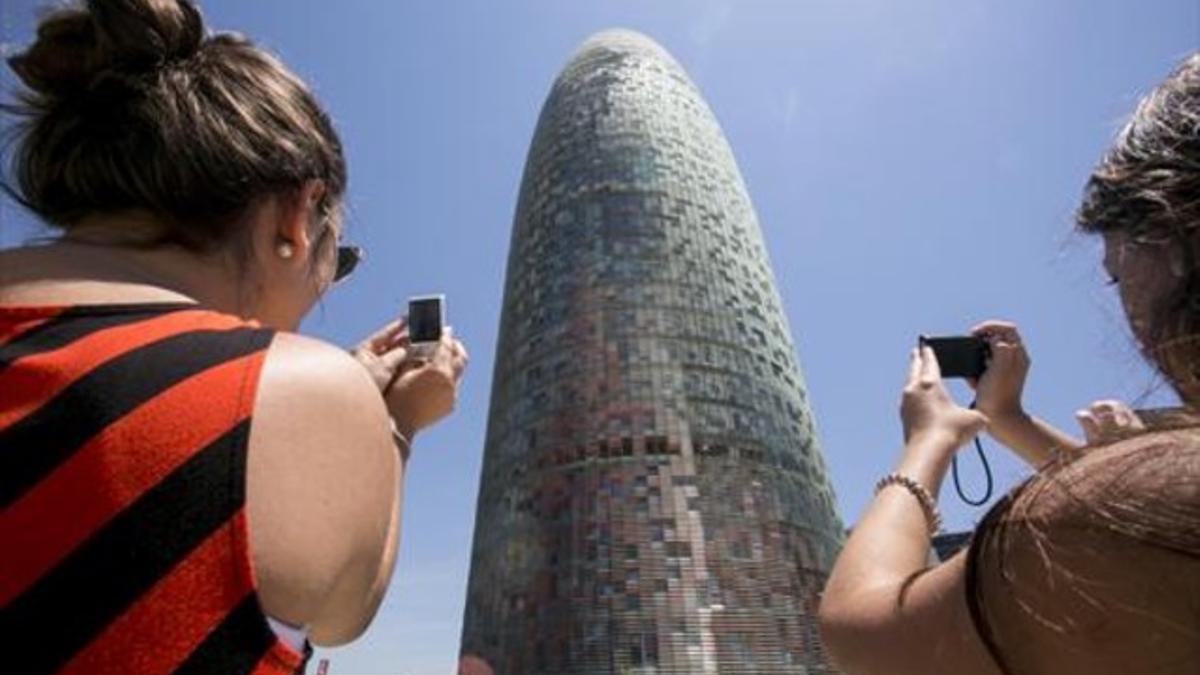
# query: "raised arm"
[[324, 490], [329, 453], [998, 395], [883, 611]]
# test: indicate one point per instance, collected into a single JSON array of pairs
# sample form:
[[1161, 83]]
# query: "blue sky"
[[914, 166]]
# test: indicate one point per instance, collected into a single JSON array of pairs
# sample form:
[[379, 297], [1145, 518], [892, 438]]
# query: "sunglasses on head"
[[348, 258]]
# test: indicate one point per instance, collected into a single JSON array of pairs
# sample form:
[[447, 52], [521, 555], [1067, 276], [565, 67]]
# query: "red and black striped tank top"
[[123, 537]]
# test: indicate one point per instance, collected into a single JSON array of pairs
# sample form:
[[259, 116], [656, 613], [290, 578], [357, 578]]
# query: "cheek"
[[1134, 312], [1147, 283]]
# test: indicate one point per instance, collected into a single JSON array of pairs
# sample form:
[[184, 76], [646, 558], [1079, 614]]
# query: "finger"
[[1102, 410], [395, 358], [993, 326], [382, 339], [401, 339], [445, 344], [1122, 415], [1002, 336], [1108, 404], [447, 348], [461, 352], [914, 368], [460, 349], [458, 367], [1123, 418], [981, 421], [1004, 357], [931, 371], [1091, 427]]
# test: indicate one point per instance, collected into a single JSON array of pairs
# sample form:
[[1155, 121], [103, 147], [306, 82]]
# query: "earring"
[[285, 250]]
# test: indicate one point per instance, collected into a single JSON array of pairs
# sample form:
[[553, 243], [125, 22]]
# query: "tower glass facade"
[[653, 497]]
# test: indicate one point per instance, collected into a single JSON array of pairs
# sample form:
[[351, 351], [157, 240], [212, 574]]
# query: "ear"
[[297, 226]]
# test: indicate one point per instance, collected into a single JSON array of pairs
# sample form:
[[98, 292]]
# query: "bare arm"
[[415, 394], [1034, 440], [883, 611], [350, 608], [998, 395], [324, 498]]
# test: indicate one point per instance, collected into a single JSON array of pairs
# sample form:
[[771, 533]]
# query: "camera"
[[426, 319], [964, 356]]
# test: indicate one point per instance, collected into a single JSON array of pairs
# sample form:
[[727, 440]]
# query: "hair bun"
[[76, 44]]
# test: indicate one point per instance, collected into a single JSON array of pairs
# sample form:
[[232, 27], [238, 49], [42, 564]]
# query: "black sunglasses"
[[348, 258]]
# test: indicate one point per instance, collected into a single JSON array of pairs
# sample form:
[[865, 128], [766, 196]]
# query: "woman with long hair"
[[1093, 565], [187, 484]]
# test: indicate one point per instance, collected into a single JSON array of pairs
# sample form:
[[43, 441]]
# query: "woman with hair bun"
[[1093, 565], [187, 484]]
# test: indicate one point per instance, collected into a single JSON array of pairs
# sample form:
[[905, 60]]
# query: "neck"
[[214, 279]]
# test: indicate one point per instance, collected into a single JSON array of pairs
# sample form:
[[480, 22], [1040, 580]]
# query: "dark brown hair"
[[1148, 186], [1126, 499], [132, 105]]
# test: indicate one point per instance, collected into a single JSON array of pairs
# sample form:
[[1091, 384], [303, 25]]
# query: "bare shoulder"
[[322, 474], [312, 361], [1160, 467], [309, 387], [1095, 564]]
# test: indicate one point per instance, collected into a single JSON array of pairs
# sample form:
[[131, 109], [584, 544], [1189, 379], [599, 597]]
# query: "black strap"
[[987, 471]]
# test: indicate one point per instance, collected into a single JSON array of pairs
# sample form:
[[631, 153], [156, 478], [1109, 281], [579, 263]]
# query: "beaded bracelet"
[[932, 516]]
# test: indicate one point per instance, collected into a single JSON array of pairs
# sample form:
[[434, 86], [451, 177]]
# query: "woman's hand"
[[928, 412], [385, 353], [1108, 421], [998, 390], [998, 396], [419, 390]]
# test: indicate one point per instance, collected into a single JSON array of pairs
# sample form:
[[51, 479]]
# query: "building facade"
[[653, 497]]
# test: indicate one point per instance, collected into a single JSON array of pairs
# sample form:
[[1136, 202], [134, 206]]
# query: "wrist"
[[403, 438], [407, 429], [1003, 420], [927, 457], [932, 442], [926, 499]]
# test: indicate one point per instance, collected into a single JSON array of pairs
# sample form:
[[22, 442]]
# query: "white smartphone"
[[426, 321]]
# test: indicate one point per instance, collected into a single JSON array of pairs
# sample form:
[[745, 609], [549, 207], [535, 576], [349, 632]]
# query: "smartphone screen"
[[425, 318], [960, 356]]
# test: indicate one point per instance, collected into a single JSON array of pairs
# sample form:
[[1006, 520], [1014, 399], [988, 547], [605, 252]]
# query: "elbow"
[[836, 633], [336, 635], [346, 619], [847, 636], [329, 638]]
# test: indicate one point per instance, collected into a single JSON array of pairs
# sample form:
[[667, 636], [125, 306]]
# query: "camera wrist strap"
[[987, 471]]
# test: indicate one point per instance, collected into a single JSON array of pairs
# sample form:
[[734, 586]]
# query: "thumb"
[[1090, 425], [975, 422], [394, 358]]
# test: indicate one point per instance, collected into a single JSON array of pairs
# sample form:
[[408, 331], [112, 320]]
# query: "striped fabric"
[[123, 536]]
